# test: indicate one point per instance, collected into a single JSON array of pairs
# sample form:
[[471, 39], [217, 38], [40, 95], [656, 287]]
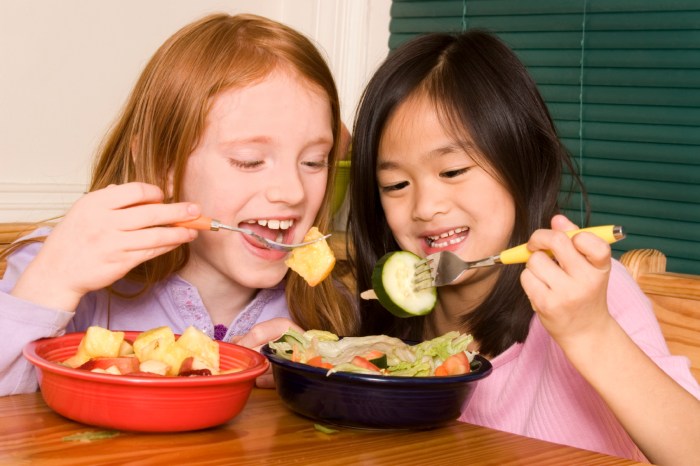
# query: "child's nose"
[[428, 202], [285, 186]]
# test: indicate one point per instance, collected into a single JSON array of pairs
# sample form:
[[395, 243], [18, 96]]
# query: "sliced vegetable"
[[390, 356], [317, 361], [377, 358], [392, 281], [359, 361], [456, 364]]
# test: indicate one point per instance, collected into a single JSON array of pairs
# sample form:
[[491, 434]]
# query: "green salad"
[[377, 354]]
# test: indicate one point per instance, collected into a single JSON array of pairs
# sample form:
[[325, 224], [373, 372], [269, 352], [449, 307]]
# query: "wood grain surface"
[[266, 432]]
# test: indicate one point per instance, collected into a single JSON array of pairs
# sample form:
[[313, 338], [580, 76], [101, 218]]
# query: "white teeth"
[[273, 224], [448, 233], [447, 243]]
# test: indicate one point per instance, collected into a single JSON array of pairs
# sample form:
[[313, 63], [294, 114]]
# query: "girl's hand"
[[102, 237], [568, 291], [260, 335]]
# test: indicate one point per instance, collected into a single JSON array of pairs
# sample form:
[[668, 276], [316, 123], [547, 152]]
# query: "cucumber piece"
[[392, 281]]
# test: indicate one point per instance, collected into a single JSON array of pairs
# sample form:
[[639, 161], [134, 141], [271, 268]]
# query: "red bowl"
[[142, 403]]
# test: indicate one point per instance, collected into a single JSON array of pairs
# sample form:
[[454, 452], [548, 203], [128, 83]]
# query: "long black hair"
[[481, 89]]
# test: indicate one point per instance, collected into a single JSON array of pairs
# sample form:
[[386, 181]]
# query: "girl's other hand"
[[260, 335], [568, 290], [102, 237]]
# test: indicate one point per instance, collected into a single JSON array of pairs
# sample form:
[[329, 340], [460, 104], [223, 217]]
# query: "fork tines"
[[424, 274]]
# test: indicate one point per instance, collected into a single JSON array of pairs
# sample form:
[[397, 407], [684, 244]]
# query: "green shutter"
[[622, 81]]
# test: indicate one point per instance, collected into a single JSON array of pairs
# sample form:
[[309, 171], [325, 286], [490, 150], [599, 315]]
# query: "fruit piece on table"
[[392, 282], [314, 262]]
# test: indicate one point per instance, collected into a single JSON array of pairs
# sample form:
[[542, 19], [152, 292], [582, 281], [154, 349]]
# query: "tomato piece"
[[456, 364], [317, 361], [374, 354], [359, 361], [440, 370]]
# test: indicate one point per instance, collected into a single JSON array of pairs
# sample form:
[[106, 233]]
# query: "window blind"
[[622, 81]]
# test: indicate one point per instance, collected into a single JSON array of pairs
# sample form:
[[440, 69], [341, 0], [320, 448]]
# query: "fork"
[[208, 223], [444, 268]]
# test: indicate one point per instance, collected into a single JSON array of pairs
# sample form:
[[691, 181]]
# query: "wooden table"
[[267, 433]]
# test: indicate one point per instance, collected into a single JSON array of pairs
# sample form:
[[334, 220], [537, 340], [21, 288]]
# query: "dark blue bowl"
[[373, 401]]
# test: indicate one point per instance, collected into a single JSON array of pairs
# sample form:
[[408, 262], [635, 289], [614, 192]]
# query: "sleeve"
[[22, 322], [634, 312]]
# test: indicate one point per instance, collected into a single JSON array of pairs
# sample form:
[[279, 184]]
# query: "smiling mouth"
[[447, 238], [273, 229]]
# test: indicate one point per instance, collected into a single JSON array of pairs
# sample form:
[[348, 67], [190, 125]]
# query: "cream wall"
[[67, 66]]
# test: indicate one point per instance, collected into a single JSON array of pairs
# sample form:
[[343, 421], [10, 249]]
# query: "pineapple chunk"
[[313, 262], [126, 349], [152, 340], [159, 344], [199, 345], [98, 342]]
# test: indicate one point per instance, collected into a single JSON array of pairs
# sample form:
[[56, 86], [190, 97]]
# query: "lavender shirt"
[[534, 390], [173, 302]]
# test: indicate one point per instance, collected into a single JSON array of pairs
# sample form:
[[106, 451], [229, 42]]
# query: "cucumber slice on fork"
[[393, 283]]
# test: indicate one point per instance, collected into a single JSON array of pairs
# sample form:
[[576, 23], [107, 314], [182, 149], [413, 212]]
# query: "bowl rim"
[[30, 352], [482, 372]]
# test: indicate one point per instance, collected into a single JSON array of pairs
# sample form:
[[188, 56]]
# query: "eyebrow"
[[435, 153], [267, 140], [254, 140]]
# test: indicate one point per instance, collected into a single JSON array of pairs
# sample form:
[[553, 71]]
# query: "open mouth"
[[447, 238], [274, 229]]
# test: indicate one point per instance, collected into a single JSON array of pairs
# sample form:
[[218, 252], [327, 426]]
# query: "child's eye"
[[316, 163], [454, 173], [394, 187], [245, 164]]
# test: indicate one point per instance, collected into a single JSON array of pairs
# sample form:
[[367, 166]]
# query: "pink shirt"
[[534, 390]]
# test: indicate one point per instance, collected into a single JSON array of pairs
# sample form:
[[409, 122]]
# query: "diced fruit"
[[456, 364], [194, 364], [98, 342], [126, 349], [154, 352], [198, 343], [124, 365], [152, 340], [153, 366], [159, 344], [112, 370], [392, 281], [313, 262]]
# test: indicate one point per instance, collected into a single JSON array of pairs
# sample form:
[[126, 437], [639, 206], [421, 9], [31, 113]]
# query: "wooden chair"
[[676, 301], [10, 232]]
